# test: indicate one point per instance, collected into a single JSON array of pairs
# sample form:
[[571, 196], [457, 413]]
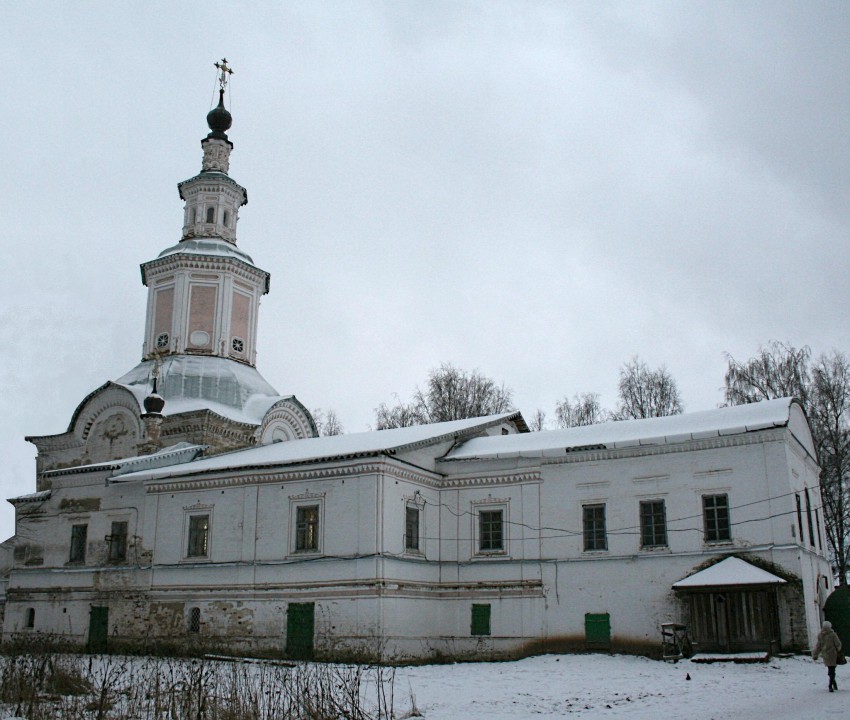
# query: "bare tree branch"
[[583, 409], [823, 388], [646, 393], [449, 394]]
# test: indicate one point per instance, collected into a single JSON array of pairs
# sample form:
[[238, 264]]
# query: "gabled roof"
[[377, 442], [731, 572], [668, 430]]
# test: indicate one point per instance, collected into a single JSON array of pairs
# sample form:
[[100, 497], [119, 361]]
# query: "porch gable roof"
[[731, 572]]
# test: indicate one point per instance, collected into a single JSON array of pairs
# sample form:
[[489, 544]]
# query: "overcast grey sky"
[[539, 190]]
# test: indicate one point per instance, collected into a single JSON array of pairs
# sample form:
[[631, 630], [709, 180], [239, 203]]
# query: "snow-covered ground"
[[603, 686], [612, 686]]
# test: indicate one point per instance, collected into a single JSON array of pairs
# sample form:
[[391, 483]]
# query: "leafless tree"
[[583, 409], [538, 421], [449, 394], [823, 388], [778, 370], [327, 423], [829, 414], [395, 416], [646, 393]]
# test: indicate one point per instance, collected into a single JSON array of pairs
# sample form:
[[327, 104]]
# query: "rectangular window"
[[79, 536], [809, 517], [199, 535], [480, 619], [411, 528], [307, 528], [715, 510], [490, 531], [653, 524], [593, 520], [118, 542]]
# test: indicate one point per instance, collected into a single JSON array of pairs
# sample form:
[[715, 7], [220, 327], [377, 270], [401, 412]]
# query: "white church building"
[[189, 504]]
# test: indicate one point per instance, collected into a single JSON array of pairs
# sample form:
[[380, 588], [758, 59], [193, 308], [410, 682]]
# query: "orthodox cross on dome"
[[225, 71]]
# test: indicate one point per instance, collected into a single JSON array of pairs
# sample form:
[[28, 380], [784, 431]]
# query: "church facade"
[[189, 503]]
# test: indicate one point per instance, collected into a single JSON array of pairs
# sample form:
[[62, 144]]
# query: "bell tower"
[[204, 293], [197, 381]]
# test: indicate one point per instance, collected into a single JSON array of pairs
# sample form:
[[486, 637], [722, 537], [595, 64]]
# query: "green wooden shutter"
[[481, 619], [597, 630], [300, 620]]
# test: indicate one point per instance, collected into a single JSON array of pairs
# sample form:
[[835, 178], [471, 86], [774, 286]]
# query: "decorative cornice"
[[235, 477], [193, 261], [492, 480]]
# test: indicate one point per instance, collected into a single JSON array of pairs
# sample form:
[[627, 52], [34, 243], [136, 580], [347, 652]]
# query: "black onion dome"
[[154, 404], [219, 119]]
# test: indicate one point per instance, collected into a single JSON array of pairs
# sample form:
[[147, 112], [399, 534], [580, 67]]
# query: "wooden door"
[[98, 629], [300, 622]]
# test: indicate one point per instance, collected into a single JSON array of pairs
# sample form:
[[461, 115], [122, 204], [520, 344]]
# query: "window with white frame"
[[593, 527], [491, 531], [199, 536], [653, 524], [307, 528], [490, 527], [717, 527], [197, 529], [411, 528], [306, 523]]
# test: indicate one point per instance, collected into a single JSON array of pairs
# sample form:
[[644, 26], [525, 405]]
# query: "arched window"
[[194, 620], [30, 617], [226, 220], [210, 215], [194, 216]]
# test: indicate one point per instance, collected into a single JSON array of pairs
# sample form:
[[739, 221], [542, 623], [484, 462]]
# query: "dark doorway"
[[98, 629], [300, 621]]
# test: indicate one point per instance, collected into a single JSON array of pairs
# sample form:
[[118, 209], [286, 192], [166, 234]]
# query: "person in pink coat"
[[828, 646]]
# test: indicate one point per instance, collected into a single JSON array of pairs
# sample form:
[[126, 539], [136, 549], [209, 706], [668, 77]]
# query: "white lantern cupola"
[[204, 292]]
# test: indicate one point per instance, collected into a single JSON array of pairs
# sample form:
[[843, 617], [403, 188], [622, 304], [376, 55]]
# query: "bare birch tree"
[[778, 370], [538, 421], [583, 409], [395, 416], [646, 393], [327, 423], [829, 416], [449, 394], [823, 388]]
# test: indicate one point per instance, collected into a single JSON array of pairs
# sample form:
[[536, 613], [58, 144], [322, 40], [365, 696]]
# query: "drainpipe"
[[379, 551]]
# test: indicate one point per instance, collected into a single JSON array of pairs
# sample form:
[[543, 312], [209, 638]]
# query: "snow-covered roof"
[[204, 382], [208, 247], [32, 497], [632, 433], [182, 452], [730, 572], [179, 453], [331, 447]]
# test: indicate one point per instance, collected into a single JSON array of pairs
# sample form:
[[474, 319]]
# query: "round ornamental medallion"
[[199, 338], [238, 345]]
